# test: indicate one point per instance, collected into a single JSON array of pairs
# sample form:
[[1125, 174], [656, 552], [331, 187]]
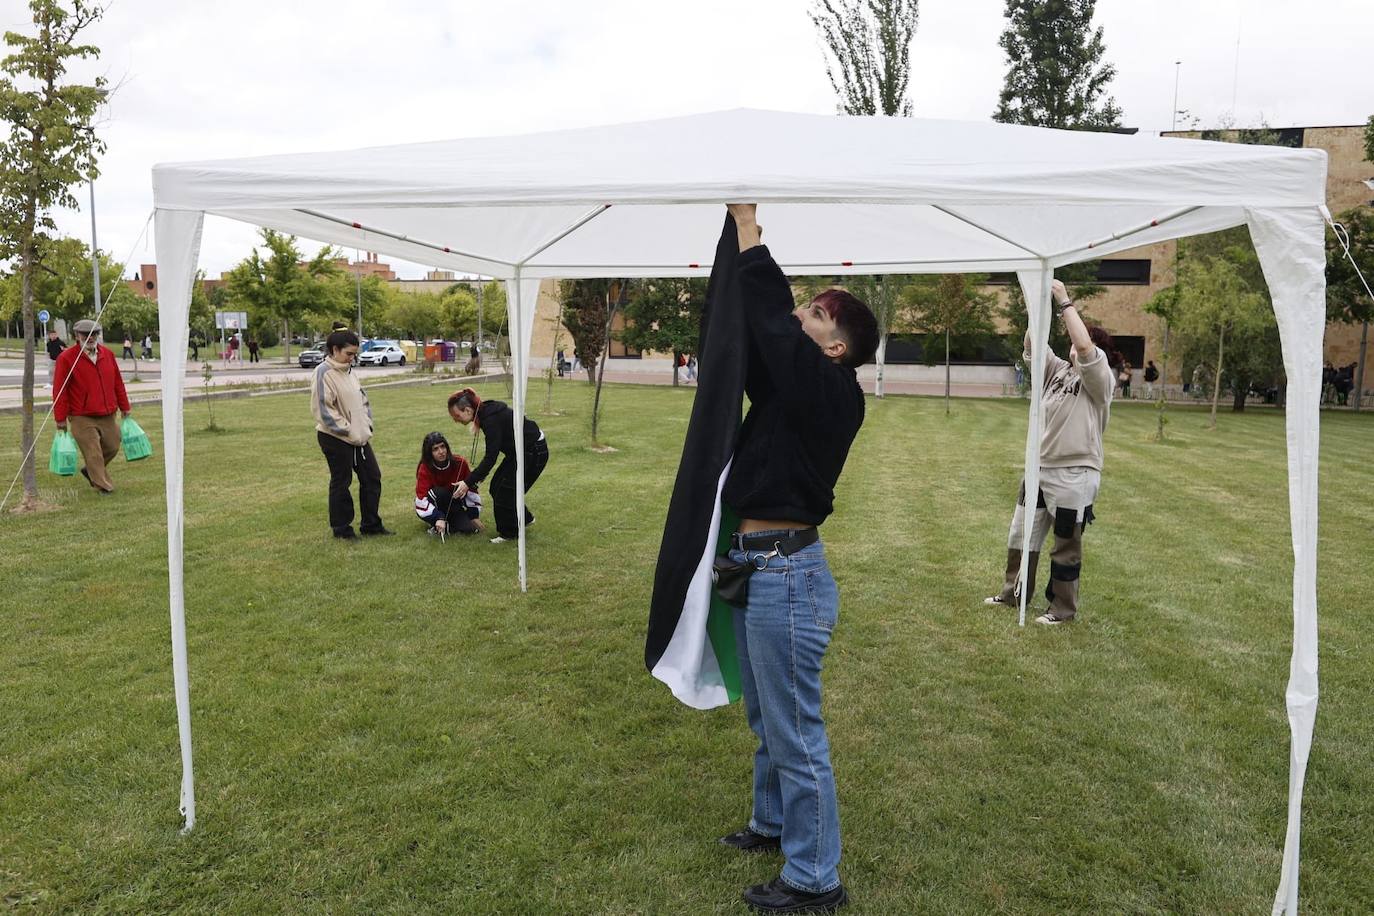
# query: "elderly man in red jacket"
[[89, 391]]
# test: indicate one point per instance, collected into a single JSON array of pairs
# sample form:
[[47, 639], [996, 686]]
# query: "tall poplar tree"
[[869, 52], [1055, 73], [868, 61], [50, 147]]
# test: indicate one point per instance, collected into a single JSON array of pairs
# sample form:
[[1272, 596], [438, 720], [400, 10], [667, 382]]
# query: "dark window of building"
[[1110, 272], [909, 349], [1131, 348], [1124, 271]]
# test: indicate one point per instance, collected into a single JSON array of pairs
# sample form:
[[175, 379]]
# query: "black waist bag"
[[731, 579]]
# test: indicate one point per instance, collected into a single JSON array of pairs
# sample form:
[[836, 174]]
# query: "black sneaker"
[[376, 532], [778, 897], [345, 534], [747, 840]]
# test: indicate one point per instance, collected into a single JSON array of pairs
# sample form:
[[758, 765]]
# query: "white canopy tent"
[[839, 195]]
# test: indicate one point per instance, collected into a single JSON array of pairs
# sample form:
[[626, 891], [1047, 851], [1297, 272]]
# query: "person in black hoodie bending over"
[[497, 423], [806, 406]]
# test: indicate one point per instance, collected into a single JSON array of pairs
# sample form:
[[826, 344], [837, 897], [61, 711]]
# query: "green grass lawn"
[[391, 726]]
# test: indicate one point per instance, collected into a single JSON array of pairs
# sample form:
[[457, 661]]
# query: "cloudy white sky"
[[202, 80]]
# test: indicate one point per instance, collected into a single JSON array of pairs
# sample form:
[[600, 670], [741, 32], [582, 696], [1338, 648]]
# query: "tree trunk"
[[601, 369], [676, 356], [26, 441], [1359, 373], [882, 361], [286, 340], [596, 401], [1216, 381], [1163, 384], [1238, 395], [946, 371]]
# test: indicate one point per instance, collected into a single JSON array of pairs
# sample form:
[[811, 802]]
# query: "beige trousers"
[[98, 439]]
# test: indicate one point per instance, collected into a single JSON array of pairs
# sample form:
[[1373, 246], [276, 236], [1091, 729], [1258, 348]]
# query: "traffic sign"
[[43, 316]]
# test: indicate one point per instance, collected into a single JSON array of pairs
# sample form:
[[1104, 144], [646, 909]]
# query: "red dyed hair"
[[466, 398], [855, 323]]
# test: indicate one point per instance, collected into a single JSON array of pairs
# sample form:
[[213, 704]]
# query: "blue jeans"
[[781, 639]]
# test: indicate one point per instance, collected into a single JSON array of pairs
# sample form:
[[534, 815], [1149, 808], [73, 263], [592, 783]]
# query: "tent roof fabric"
[[843, 194]]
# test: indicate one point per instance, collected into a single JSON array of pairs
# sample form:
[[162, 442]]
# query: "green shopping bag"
[[63, 459], [134, 440]]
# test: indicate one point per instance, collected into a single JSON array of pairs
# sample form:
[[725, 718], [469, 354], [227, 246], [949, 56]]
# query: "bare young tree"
[[868, 45]]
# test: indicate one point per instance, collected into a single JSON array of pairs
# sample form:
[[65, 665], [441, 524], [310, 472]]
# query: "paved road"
[[150, 377]]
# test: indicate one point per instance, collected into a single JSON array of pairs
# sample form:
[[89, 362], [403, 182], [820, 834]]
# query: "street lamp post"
[[358, 285], [95, 249]]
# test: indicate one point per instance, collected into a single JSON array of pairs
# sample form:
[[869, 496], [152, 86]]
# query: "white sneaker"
[[1050, 619], [498, 540]]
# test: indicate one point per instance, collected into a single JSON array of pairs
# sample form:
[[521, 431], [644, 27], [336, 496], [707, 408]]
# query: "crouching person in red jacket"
[[89, 389], [436, 477]]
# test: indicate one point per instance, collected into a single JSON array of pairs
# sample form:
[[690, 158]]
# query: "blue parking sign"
[[43, 316]]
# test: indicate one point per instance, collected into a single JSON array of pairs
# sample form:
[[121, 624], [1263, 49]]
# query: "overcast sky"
[[199, 80]]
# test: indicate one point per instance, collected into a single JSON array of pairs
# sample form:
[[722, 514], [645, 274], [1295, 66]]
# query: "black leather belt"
[[785, 546]]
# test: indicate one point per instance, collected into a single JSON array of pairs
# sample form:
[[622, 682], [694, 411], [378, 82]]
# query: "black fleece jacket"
[[804, 409], [497, 422]]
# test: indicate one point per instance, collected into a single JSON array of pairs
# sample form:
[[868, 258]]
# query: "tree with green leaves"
[[417, 316], [586, 315], [589, 308], [201, 315], [62, 281], [1369, 139], [1222, 319], [1347, 298], [49, 148], [664, 315], [458, 308], [868, 45], [1055, 73], [284, 289], [344, 290], [1081, 281], [954, 306], [884, 297], [129, 314]]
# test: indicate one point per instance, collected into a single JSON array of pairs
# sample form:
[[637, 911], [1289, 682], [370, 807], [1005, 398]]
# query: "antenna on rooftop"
[[1173, 123]]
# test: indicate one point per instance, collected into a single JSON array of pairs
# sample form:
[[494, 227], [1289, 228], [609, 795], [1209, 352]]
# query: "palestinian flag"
[[691, 641]]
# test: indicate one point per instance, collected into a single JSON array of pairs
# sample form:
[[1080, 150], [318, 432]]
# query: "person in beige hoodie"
[[343, 426], [1076, 403]]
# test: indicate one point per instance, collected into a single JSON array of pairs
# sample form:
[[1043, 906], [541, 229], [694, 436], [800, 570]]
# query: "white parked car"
[[383, 355]]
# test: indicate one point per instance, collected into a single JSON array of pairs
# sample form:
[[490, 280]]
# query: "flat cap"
[[85, 326]]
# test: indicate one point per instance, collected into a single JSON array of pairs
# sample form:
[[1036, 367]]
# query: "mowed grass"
[[391, 726]]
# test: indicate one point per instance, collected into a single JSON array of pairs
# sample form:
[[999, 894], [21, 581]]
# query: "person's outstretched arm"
[[746, 224], [1073, 322]]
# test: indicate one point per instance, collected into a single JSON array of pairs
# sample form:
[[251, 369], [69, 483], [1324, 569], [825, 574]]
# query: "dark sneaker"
[[777, 897], [747, 840], [376, 532], [345, 534], [1052, 618]]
